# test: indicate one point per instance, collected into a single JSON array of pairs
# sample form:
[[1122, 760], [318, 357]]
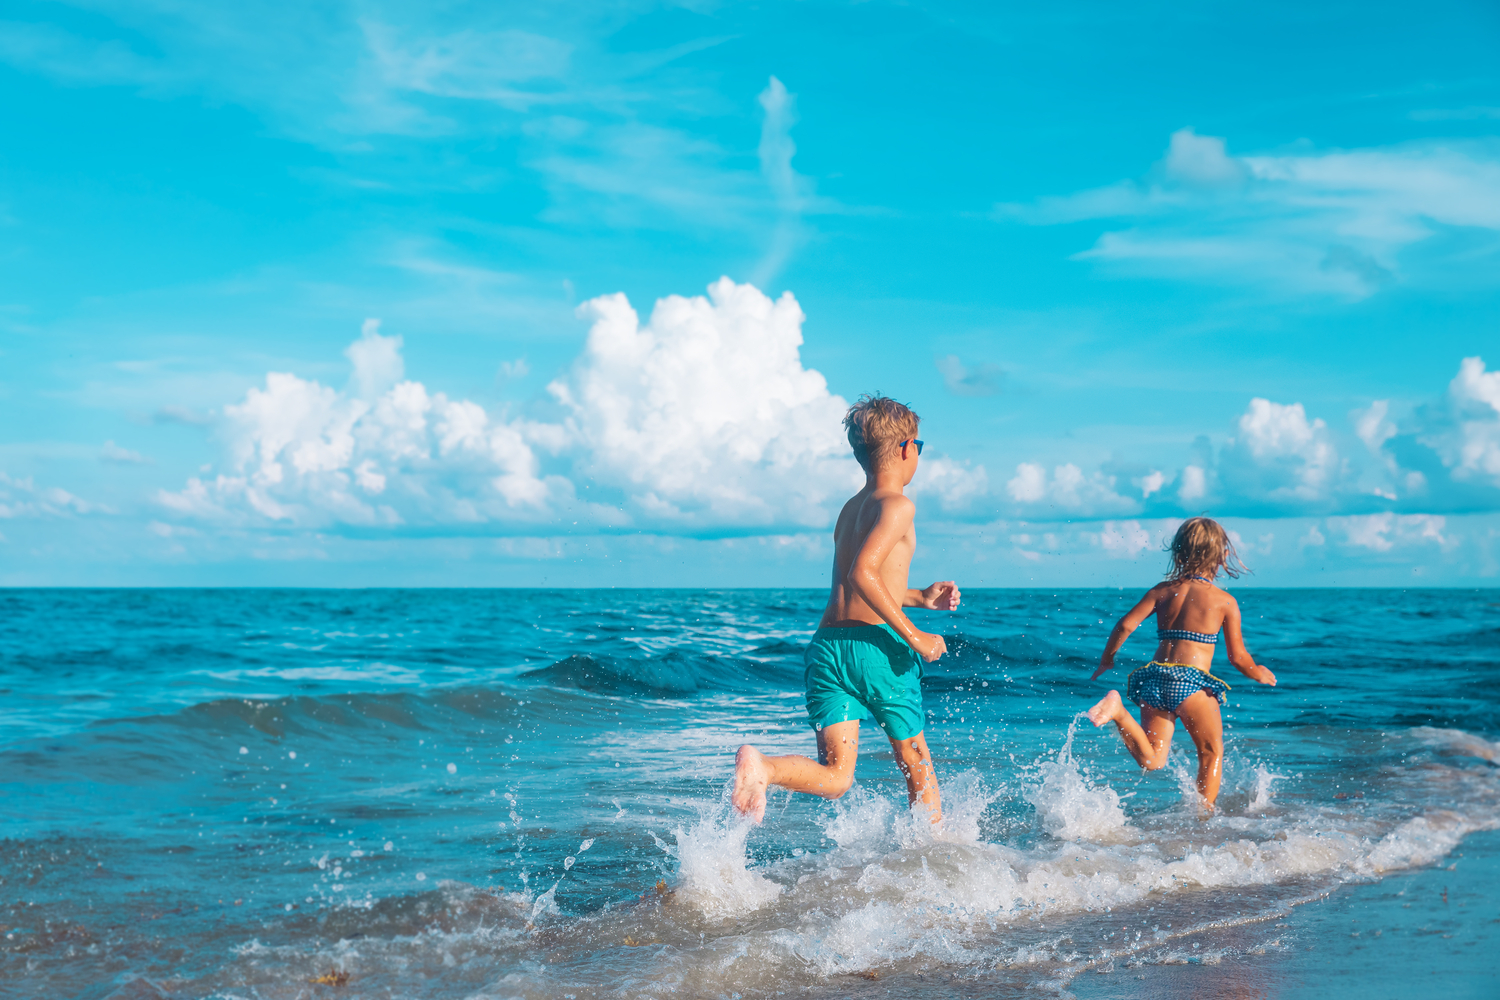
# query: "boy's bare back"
[[859, 518]]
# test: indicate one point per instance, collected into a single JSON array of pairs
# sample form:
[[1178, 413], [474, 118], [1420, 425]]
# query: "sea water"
[[487, 794]]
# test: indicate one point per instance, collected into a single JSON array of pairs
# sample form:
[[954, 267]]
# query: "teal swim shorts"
[[864, 671]]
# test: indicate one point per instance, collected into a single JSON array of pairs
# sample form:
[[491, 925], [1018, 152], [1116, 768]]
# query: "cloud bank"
[[701, 421]]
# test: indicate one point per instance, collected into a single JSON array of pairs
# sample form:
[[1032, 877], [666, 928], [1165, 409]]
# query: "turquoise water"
[[521, 794]]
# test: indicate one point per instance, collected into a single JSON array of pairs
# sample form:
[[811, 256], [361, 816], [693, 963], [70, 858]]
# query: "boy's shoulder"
[[894, 501]]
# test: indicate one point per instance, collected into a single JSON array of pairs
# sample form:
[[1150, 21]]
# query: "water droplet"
[[244, 749], [452, 768], [568, 862], [421, 876]]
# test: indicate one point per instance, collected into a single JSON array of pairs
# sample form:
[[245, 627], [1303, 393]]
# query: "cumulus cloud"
[[705, 415], [1124, 539], [381, 453], [1385, 531], [1068, 488], [1475, 395], [1318, 221], [1279, 455], [1440, 456], [957, 486], [701, 420]]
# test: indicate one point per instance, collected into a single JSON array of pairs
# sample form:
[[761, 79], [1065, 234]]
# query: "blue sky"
[[351, 294]]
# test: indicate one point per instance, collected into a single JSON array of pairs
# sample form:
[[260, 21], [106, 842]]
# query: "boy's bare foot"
[[750, 777], [1109, 706]]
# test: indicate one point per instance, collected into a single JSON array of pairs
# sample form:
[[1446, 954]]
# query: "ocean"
[[520, 793]]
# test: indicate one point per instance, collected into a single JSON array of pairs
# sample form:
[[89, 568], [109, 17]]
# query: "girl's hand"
[[1107, 663], [1262, 675]]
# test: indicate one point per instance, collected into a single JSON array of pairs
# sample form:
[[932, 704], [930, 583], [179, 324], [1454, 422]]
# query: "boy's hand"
[[941, 596], [1106, 663], [928, 646]]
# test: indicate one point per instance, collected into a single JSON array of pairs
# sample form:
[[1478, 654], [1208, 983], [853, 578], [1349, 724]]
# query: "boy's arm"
[[1117, 636], [892, 524], [941, 596], [1239, 656]]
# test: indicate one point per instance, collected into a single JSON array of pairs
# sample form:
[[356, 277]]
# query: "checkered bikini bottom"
[[1164, 686]]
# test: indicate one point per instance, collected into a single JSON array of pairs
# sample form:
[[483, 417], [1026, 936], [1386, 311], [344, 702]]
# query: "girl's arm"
[[1239, 656], [1132, 621]]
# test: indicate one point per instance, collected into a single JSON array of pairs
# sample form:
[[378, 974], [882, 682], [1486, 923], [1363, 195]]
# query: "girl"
[[1189, 611]]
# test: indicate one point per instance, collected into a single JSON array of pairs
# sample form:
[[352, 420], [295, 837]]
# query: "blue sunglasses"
[[914, 441]]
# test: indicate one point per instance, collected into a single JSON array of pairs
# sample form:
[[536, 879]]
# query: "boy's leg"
[[1148, 740], [830, 776], [1199, 712], [915, 761]]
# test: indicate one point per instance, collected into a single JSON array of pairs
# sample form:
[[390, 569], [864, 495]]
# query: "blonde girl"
[[1190, 611]]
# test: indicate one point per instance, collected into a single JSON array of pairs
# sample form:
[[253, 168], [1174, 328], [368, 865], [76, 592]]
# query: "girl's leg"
[[829, 776], [1148, 740], [1199, 712]]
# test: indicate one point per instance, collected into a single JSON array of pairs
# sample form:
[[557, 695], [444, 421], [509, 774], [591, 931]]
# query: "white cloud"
[[705, 415], [956, 485], [1280, 455], [1029, 484], [1124, 539], [1069, 488], [305, 454], [1201, 159], [23, 498], [377, 361], [1475, 395], [1385, 531], [1194, 484], [1330, 221], [1150, 483], [701, 420], [1372, 426]]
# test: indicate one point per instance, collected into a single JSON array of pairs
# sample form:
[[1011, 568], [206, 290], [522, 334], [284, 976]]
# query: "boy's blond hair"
[[876, 426], [1202, 547]]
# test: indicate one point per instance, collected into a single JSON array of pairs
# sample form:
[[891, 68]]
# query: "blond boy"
[[866, 657]]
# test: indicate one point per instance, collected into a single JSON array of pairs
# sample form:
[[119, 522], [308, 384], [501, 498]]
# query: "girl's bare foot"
[[1109, 706], [750, 777]]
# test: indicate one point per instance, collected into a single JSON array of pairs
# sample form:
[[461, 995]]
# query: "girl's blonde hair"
[[1202, 547]]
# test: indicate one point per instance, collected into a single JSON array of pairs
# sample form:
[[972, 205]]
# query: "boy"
[[863, 660]]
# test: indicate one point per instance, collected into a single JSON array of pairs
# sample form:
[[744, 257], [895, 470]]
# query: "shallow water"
[[520, 794]]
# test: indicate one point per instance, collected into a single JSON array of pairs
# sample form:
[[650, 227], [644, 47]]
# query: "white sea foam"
[[1069, 805], [712, 872]]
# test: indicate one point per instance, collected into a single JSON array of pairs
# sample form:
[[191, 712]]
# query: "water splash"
[[713, 874], [1069, 805]]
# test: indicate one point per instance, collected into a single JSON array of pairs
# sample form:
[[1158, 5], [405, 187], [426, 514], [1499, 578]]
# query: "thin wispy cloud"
[[1339, 222]]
